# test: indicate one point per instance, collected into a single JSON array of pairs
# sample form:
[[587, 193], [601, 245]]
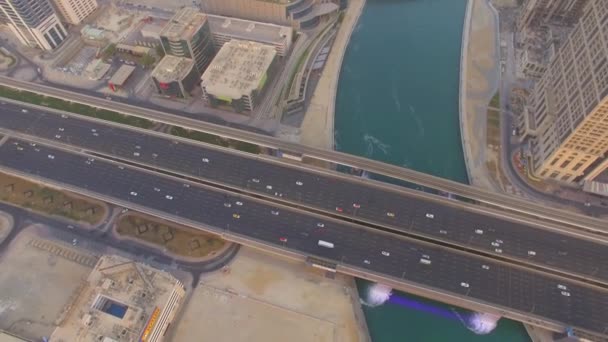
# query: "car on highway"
[[299, 183], [465, 285], [227, 205], [356, 205], [239, 203], [565, 293], [236, 216], [531, 253], [485, 267], [255, 180], [274, 212], [205, 160], [283, 239], [430, 216], [320, 224], [385, 253], [133, 193], [425, 261], [390, 214], [169, 197], [479, 231], [338, 209], [367, 262]]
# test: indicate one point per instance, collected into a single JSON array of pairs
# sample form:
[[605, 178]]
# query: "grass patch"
[[45, 200], [55, 103], [495, 101], [215, 140], [493, 127], [176, 239]]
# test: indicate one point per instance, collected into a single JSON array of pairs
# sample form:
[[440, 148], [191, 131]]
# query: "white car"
[[495, 244], [562, 287], [274, 212], [227, 205], [61, 129], [269, 187], [531, 253], [320, 225], [385, 253], [133, 193], [485, 267], [205, 160], [255, 180], [465, 285], [57, 136], [157, 189], [239, 203], [24, 110], [389, 214], [74, 242], [442, 231], [186, 185], [299, 183], [367, 262], [136, 154], [499, 241], [169, 197], [565, 293], [498, 250], [430, 216], [479, 231]]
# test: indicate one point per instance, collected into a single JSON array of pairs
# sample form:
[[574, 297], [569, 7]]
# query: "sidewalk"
[[317, 129]]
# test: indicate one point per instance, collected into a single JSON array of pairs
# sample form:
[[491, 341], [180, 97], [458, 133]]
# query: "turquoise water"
[[398, 102]]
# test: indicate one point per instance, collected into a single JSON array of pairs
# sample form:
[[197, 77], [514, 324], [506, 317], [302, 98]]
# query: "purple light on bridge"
[[413, 304]]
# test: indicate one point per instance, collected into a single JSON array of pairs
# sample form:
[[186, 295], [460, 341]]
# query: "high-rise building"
[[567, 112], [535, 13], [34, 22], [175, 77], [187, 35], [75, 11], [301, 14]]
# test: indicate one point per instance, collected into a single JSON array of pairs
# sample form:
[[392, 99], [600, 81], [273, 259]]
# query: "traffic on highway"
[[324, 191], [479, 279], [502, 201]]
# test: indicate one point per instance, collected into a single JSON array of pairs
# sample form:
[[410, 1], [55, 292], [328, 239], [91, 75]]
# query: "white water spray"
[[377, 295], [482, 323]]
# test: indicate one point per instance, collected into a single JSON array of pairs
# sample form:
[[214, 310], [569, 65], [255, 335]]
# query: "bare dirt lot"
[[37, 280], [263, 298]]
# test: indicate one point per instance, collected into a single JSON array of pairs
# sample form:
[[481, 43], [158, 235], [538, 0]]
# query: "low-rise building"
[[75, 11], [175, 77], [237, 75], [122, 301], [120, 77], [224, 29]]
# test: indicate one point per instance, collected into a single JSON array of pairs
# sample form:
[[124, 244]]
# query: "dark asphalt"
[[582, 307], [473, 230]]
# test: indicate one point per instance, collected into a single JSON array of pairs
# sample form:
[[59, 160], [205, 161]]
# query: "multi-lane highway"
[[543, 297], [362, 201], [503, 201]]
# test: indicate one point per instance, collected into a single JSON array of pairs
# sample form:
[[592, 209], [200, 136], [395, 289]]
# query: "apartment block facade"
[[567, 112], [34, 22], [535, 13], [75, 11]]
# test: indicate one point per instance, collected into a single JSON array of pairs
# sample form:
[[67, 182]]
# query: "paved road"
[[479, 279], [399, 211], [500, 200]]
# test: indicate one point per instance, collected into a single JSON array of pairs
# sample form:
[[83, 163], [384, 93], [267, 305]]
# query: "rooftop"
[[120, 301], [122, 74], [172, 68], [238, 69], [250, 30], [184, 24]]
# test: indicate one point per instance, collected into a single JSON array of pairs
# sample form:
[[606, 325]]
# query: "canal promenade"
[[318, 126], [479, 80]]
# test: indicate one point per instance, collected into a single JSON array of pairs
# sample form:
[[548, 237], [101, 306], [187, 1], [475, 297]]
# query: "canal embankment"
[[317, 128], [479, 81]]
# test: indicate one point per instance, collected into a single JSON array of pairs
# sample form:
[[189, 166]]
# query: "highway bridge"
[[299, 209], [328, 193], [450, 275], [498, 200]]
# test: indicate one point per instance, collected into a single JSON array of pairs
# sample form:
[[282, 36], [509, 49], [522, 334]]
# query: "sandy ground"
[[263, 298], [479, 83], [32, 301], [6, 225], [317, 129]]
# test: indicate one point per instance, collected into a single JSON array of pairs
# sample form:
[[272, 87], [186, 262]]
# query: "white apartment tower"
[[567, 112], [75, 11], [34, 22]]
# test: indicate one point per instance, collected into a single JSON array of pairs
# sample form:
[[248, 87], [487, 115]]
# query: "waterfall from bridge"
[[479, 323]]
